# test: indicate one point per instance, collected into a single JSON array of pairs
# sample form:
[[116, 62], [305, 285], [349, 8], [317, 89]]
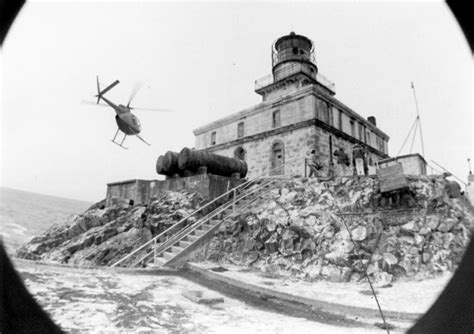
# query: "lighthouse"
[[293, 66]]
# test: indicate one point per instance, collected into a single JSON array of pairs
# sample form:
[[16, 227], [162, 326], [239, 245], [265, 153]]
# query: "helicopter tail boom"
[[105, 90]]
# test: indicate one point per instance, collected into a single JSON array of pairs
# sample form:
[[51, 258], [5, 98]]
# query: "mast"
[[418, 118]]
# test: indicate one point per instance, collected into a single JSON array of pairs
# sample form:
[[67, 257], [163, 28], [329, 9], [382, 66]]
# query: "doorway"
[[277, 159]]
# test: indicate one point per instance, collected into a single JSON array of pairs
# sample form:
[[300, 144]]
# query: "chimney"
[[372, 120]]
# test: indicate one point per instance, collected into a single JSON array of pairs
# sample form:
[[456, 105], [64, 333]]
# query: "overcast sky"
[[201, 61]]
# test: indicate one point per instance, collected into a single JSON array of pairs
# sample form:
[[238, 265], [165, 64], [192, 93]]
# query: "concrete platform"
[[345, 304], [402, 304]]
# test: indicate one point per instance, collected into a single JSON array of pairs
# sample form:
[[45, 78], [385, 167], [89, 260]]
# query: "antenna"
[[414, 128], [469, 165], [418, 119]]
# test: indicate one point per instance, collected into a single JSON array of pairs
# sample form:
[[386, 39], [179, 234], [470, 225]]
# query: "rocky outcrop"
[[101, 236], [335, 230], [304, 228]]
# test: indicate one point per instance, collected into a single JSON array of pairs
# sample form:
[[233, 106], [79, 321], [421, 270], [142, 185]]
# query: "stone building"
[[298, 114]]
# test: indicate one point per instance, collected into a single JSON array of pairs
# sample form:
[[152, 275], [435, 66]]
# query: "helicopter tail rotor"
[[98, 89], [105, 90]]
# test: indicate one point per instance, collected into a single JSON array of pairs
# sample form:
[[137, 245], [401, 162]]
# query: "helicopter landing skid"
[[123, 139], [125, 148], [143, 140]]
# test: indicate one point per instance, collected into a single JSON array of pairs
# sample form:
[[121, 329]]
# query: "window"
[[322, 110], [361, 132], [380, 144], [213, 138], [240, 130], [368, 138], [353, 132], [340, 120], [276, 119]]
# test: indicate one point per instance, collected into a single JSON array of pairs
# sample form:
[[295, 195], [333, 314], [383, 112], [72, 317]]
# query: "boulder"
[[271, 245], [390, 259], [447, 225], [433, 222], [424, 231], [359, 233], [383, 278], [410, 227]]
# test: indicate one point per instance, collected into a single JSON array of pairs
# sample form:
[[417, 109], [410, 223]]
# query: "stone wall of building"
[[126, 191], [263, 118], [145, 191], [207, 185], [297, 145], [259, 152], [285, 88], [307, 104]]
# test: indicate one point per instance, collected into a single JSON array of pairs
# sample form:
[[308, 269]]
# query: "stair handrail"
[[190, 228], [181, 234], [238, 187], [243, 184]]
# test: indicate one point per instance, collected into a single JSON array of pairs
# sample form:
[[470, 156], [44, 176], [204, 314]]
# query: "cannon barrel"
[[170, 163], [159, 165], [216, 164]]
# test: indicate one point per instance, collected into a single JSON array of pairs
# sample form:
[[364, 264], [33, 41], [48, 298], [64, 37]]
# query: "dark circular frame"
[[453, 311]]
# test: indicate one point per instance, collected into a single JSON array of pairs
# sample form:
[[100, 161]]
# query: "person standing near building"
[[313, 164], [359, 162]]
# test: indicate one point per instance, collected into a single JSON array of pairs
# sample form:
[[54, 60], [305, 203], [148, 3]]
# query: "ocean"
[[24, 215]]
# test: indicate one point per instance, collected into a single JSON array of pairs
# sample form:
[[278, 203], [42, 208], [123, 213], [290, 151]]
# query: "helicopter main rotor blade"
[[94, 103], [152, 109], [135, 90]]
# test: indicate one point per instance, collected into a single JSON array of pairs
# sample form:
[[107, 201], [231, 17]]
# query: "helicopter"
[[127, 122]]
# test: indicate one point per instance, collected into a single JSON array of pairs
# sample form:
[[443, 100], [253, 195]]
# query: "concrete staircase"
[[171, 247], [196, 237]]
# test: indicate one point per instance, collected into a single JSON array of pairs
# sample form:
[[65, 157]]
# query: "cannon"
[[190, 162], [159, 165], [216, 164], [168, 164]]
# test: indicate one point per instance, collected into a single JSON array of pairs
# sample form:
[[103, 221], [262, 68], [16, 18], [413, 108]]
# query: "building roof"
[[127, 181], [401, 157]]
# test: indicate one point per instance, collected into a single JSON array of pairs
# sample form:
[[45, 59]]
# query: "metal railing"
[[264, 81], [293, 69], [288, 54], [181, 223], [326, 82], [191, 228], [158, 249]]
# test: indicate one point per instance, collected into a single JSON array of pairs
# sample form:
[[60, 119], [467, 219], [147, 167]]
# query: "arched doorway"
[[277, 156], [239, 153]]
